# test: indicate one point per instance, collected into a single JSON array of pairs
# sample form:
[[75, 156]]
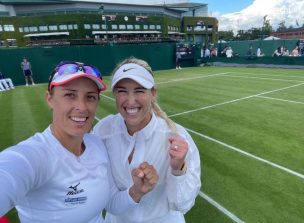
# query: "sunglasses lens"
[[67, 69], [92, 70]]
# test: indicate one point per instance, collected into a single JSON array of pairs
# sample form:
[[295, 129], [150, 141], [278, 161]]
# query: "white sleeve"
[[16, 179], [120, 201], [182, 190]]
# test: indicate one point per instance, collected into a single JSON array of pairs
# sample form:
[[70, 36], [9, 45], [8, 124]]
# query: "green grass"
[[239, 109]]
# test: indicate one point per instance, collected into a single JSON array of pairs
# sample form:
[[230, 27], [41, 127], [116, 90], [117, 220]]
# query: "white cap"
[[135, 72]]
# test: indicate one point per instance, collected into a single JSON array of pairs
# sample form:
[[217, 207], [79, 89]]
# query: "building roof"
[[184, 7], [26, 2], [47, 34]]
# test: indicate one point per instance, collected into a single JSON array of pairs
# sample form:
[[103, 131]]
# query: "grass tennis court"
[[248, 124]]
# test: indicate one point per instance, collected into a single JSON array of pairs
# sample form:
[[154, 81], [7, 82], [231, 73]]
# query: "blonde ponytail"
[[160, 113]]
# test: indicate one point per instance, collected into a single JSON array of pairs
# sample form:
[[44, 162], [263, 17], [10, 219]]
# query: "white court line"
[[271, 75], [235, 100], [191, 78], [279, 99], [220, 208], [105, 96], [262, 78], [171, 81], [214, 203], [248, 154]]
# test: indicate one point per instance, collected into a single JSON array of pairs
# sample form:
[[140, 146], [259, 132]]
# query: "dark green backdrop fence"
[[267, 46], [159, 55]]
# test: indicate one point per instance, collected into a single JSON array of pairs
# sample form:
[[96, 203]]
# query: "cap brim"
[[67, 78]]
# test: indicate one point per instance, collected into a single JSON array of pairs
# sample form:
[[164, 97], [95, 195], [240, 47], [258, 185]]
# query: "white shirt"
[[173, 195], [47, 183], [229, 53]]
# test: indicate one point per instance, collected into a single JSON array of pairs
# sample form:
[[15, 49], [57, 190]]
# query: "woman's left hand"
[[178, 150]]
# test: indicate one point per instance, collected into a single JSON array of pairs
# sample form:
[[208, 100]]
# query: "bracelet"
[[181, 171]]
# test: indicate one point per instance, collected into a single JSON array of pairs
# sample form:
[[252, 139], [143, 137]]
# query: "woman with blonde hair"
[[142, 132]]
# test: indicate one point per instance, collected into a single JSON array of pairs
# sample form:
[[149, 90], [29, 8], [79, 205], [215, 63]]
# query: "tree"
[[266, 28], [226, 35], [282, 26]]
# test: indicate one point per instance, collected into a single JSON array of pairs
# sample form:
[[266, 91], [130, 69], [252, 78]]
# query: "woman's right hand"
[[145, 178]]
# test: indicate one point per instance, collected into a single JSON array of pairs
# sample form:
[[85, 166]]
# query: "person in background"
[[259, 52], [295, 52], [249, 52], [213, 52], [178, 59], [285, 52], [277, 52], [207, 52], [142, 132], [6, 83], [229, 52], [27, 71], [63, 174]]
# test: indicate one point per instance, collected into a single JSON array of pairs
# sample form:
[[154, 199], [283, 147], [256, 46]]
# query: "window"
[[122, 26], [189, 28], [104, 26], [53, 28], [43, 28], [20, 29], [95, 26], [8, 28], [137, 26], [108, 18], [141, 18], [75, 26], [152, 26], [145, 26], [114, 26], [63, 27], [26, 29], [33, 29], [11, 42], [129, 26], [158, 26], [198, 28], [87, 26]]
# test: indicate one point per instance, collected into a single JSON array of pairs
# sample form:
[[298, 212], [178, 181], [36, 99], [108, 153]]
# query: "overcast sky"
[[290, 11], [243, 14]]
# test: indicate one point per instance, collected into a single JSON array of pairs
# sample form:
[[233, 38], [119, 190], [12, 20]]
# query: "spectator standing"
[[207, 52], [178, 59], [27, 71]]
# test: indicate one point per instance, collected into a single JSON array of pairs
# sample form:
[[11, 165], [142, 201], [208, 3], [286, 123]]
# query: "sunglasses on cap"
[[67, 70]]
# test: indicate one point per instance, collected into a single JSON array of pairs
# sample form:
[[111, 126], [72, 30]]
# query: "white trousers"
[[6, 84]]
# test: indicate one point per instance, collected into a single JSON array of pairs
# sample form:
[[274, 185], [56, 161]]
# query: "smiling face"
[[74, 105], [134, 103]]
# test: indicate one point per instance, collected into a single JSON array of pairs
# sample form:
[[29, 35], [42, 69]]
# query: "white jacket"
[[173, 195], [47, 183]]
